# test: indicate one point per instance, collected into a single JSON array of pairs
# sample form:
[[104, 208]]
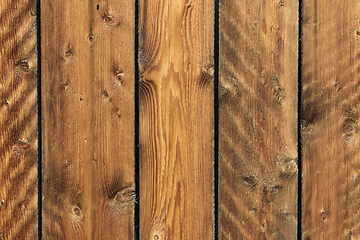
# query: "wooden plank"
[[88, 119], [176, 119], [18, 120], [330, 119], [258, 119]]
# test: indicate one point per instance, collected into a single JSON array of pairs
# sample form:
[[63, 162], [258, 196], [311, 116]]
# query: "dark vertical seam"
[[137, 127], [39, 123], [299, 223], [216, 120]]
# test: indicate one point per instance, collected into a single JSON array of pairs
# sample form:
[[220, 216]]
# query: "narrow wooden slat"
[[258, 119], [88, 119], [176, 119], [18, 120], [330, 119]]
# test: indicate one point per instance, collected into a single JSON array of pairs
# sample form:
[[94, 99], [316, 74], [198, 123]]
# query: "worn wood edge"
[[18, 121]]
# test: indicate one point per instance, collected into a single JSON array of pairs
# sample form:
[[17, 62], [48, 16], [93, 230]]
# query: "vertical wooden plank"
[[330, 119], [176, 119], [258, 119], [18, 120], [88, 119]]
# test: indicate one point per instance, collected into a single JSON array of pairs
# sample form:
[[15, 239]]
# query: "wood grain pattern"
[[18, 120], [176, 119], [258, 119], [88, 119], [330, 119]]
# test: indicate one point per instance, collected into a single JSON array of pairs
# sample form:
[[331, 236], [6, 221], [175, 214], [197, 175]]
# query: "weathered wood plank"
[[18, 120], [176, 119], [330, 119], [258, 119], [88, 119]]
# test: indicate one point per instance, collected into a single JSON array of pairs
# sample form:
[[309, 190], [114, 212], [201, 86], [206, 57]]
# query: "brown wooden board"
[[88, 119], [176, 119], [258, 119], [330, 119], [18, 120]]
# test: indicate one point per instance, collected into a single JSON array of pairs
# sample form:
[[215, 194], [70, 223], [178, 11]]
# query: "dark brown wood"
[[258, 119], [330, 119], [176, 119], [88, 119], [18, 120]]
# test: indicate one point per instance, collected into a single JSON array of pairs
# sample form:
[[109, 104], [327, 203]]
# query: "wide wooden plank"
[[88, 119], [176, 119], [330, 119], [258, 119], [18, 120]]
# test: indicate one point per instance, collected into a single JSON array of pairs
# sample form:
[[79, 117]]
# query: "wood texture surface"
[[88, 119], [330, 119], [258, 119], [18, 120], [176, 119]]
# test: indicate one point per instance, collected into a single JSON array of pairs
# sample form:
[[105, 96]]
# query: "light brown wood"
[[18, 120], [330, 119], [88, 119], [176, 119], [258, 119]]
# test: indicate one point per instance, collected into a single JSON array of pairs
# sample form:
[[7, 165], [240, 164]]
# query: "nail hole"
[[108, 18], [106, 93], [156, 237], [24, 65], [77, 211], [68, 53], [120, 75], [91, 38], [81, 98], [97, 7]]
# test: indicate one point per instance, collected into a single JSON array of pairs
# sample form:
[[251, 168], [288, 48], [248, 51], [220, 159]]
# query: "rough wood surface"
[[330, 119], [88, 119], [18, 120], [258, 119], [176, 119]]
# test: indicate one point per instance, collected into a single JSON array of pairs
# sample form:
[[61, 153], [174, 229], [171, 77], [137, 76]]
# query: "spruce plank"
[[330, 119], [176, 119], [258, 119], [18, 120], [88, 119]]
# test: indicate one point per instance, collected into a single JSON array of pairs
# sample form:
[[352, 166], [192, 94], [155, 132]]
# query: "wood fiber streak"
[[176, 119], [88, 119], [330, 119], [18, 120], [258, 119]]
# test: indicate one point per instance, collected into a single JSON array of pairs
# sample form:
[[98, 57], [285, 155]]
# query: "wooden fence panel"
[[18, 120], [258, 119], [176, 119], [88, 119], [330, 119]]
